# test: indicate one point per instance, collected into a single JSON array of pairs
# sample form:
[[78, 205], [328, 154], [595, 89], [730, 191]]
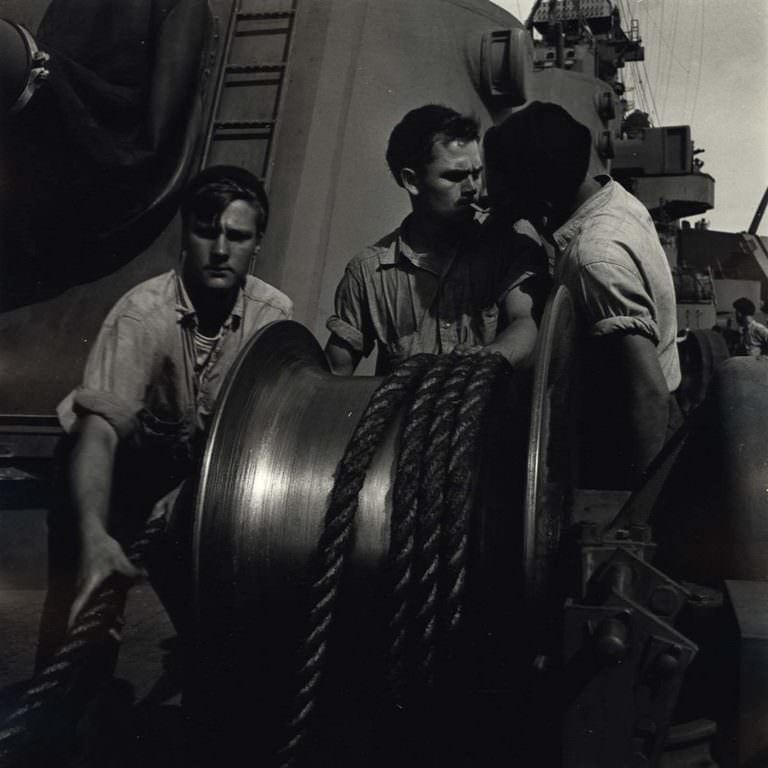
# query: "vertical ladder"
[[250, 85]]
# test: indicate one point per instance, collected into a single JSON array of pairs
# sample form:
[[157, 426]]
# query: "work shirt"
[[753, 338], [404, 302], [612, 262], [142, 375]]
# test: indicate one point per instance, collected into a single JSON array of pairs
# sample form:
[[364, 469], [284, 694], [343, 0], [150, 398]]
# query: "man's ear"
[[410, 180]]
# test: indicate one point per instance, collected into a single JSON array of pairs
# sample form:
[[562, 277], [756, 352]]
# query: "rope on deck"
[[34, 722]]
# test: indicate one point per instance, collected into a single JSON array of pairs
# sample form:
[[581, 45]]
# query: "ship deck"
[[137, 720]]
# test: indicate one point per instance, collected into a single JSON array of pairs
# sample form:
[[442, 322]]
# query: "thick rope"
[[335, 542], [22, 733], [432, 503], [431, 511], [435, 485], [413, 444], [462, 475]]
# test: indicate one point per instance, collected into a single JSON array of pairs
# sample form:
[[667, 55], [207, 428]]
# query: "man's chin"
[[460, 217], [225, 282]]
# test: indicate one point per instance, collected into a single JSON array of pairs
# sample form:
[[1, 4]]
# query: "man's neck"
[[426, 234], [587, 189], [212, 308]]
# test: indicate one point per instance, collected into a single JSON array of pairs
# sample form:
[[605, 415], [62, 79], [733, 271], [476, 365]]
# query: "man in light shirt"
[[137, 424], [609, 256]]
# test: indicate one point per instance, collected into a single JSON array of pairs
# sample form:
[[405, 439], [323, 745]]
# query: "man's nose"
[[220, 247]]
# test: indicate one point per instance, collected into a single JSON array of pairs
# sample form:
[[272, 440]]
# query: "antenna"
[[758, 217]]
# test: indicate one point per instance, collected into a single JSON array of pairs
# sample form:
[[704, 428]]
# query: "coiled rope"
[[32, 723], [432, 500], [426, 565]]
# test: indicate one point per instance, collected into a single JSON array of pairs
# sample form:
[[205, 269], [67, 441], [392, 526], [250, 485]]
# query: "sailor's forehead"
[[457, 153]]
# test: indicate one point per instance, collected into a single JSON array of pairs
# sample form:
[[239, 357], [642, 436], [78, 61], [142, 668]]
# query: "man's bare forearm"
[[342, 358], [91, 476], [648, 417], [516, 342], [646, 398]]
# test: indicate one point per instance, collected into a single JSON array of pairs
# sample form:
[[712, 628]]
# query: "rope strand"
[[28, 728], [335, 541], [432, 505]]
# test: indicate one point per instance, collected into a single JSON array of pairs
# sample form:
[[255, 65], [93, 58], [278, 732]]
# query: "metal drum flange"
[[549, 480]]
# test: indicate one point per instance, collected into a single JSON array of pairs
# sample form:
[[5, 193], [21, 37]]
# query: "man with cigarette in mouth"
[[442, 281]]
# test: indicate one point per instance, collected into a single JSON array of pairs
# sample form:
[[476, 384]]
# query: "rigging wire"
[[643, 72], [669, 67], [645, 99], [626, 73], [689, 58], [659, 69], [701, 65], [650, 21]]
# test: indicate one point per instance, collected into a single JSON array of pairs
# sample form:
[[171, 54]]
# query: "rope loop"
[[433, 498]]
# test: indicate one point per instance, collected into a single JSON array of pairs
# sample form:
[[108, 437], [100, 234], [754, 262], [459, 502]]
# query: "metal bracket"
[[623, 660], [38, 71], [506, 59]]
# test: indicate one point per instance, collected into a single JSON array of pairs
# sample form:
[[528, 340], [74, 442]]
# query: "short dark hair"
[[411, 141], [744, 306], [214, 188], [538, 153]]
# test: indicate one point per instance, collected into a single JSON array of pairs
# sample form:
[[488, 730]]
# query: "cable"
[[663, 40], [701, 65], [669, 68], [688, 73], [645, 98]]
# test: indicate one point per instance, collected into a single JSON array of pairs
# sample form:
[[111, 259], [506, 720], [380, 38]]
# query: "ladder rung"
[[232, 125], [244, 16], [242, 69], [241, 136]]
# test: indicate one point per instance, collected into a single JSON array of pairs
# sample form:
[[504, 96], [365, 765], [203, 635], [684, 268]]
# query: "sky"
[[706, 65]]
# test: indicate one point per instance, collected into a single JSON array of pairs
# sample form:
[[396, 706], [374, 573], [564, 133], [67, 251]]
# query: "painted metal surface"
[[352, 70]]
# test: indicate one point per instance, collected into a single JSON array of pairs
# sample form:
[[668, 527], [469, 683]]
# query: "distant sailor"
[[753, 336], [440, 281], [138, 422]]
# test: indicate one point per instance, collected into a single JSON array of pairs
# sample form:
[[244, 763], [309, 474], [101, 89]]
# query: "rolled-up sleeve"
[[351, 319], [115, 378], [614, 299], [527, 259]]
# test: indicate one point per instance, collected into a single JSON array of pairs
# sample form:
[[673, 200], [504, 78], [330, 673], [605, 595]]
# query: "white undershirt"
[[204, 346]]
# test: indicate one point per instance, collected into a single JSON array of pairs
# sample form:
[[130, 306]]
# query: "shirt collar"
[[400, 248], [568, 231], [187, 315]]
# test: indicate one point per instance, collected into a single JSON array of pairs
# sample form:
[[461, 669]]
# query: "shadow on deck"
[[136, 720]]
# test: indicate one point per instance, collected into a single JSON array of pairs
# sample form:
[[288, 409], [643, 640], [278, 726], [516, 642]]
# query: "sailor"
[[753, 336], [609, 256], [137, 423], [440, 281]]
